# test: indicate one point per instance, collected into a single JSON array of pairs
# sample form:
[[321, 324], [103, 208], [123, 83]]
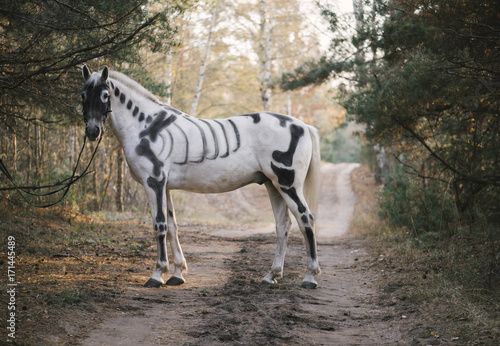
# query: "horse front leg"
[[179, 260], [155, 190]]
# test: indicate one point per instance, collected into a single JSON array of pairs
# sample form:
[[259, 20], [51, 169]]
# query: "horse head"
[[96, 101]]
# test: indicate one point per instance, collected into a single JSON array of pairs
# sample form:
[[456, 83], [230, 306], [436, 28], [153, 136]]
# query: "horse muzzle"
[[92, 132]]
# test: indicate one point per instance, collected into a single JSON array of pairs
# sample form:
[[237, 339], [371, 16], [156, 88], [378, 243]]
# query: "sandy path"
[[223, 301], [337, 201]]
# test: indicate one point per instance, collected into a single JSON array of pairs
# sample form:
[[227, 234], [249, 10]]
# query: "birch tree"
[[265, 53], [206, 51]]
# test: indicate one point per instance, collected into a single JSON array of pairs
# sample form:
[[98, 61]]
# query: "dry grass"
[[414, 278], [365, 220]]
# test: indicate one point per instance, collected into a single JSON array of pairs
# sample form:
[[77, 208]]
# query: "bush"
[[422, 206], [425, 211]]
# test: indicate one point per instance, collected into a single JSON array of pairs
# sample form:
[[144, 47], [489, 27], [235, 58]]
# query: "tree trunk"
[[168, 76], [266, 41], [288, 103], [15, 149], [119, 181], [201, 74]]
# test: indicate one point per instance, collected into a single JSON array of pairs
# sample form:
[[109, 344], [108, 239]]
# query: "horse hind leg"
[[297, 204], [283, 223]]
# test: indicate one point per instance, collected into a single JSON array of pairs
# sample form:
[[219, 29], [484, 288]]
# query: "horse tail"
[[312, 183]]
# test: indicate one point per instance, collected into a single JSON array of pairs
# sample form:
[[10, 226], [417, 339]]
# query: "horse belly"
[[206, 178]]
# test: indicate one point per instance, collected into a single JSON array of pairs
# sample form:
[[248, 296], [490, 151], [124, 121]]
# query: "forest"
[[411, 89]]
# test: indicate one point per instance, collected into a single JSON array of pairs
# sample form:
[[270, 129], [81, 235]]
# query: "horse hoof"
[[309, 285], [153, 283], [175, 281], [267, 282]]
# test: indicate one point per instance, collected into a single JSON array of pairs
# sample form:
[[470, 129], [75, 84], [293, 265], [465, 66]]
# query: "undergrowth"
[[445, 270]]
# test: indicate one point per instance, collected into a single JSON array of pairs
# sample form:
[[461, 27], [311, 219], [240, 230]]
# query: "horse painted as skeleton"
[[167, 149]]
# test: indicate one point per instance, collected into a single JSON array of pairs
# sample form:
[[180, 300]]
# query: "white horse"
[[167, 149]]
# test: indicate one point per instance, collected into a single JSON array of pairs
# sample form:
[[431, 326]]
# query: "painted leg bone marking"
[[311, 241], [286, 157], [158, 187], [292, 193], [285, 176], [143, 149], [162, 248]]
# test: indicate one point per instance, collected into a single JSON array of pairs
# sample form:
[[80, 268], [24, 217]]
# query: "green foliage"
[[418, 205], [66, 297], [43, 43], [340, 145]]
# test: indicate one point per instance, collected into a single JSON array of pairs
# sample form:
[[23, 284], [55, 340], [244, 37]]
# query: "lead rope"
[[72, 180]]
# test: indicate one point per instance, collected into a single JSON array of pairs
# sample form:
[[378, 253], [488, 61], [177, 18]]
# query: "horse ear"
[[86, 71], [104, 75]]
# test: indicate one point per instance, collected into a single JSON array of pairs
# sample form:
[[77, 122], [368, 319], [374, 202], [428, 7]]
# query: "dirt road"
[[223, 301]]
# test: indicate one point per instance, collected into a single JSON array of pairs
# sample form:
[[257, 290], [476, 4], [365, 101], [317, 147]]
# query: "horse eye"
[[84, 96], [104, 96]]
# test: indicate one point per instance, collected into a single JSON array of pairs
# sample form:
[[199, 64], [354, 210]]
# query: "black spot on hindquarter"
[[254, 116], [310, 240], [143, 149], [286, 157], [292, 193], [282, 118], [158, 186], [285, 176], [161, 122]]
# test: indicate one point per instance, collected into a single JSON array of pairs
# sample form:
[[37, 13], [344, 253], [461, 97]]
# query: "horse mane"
[[132, 84]]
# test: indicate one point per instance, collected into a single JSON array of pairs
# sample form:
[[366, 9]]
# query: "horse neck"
[[127, 106]]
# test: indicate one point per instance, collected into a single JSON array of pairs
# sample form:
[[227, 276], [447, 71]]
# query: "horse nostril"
[[92, 132]]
